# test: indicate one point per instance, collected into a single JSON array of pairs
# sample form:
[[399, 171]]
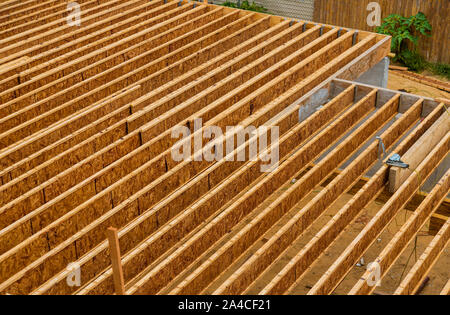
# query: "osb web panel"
[[86, 118]]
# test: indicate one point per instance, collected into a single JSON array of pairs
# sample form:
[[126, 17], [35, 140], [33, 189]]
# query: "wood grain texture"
[[435, 48], [86, 117]]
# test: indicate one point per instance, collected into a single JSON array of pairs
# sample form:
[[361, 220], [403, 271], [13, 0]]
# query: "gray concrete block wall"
[[378, 75]]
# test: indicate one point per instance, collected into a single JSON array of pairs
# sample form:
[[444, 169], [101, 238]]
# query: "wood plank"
[[369, 192], [181, 104], [435, 48], [15, 188], [68, 179], [418, 152], [298, 265], [221, 193], [38, 35], [368, 39], [99, 177], [42, 139], [180, 68], [78, 33], [237, 211], [50, 12], [446, 289], [400, 241], [44, 59], [241, 279], [10, 6], [47, 100], [158, 20], [427, 260], [59, 188], [40, 7], [368, 235], [116, 261], [107, 57], [278, 63], [104, 196], [50, 21]]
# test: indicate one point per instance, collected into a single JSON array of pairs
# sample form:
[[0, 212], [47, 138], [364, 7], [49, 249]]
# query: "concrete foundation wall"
[[378, 75]]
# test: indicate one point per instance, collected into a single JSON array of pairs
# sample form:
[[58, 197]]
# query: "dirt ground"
[[397, 82]]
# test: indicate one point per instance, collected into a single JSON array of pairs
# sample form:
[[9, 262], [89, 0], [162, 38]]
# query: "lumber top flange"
[[87, 117]]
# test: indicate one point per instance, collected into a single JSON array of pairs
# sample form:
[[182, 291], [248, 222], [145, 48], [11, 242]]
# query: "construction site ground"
[[397, 82]]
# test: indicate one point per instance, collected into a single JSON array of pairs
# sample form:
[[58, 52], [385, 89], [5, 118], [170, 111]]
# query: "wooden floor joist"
[[355, 250], [87, 117], [446, 289], [409, 229], [288, 276], [420, 270], [418, 152]]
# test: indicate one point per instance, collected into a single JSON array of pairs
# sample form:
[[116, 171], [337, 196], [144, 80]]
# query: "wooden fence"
[[353, 14]]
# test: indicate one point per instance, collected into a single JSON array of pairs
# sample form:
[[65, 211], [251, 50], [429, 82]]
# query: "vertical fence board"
[[353, 14]]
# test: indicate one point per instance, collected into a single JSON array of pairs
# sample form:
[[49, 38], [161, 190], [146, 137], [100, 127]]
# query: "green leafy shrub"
[[246, 5], [405, 34], [441, 69]]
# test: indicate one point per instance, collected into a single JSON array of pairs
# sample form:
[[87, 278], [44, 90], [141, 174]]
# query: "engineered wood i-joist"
[[261, 73], [368, 235], [98, 61], [266, 59], [124, 188], [63, 64], [46, 118], [446, 289], [369, 192], [314, 249], [419, 271], [340, 153], [180, 67], [418, 152], [228, 188], [386, 195], [49, 22], [41, 12], [68, 50], [60, 108], [233, 213], [254, 229], [392, 251], [138, 229], [19, 186], [131, 45], [193, 77], [116, 260], [38, 35], [78, 120], [86, 120], [45, 98], [76, 38], [11, 6]]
